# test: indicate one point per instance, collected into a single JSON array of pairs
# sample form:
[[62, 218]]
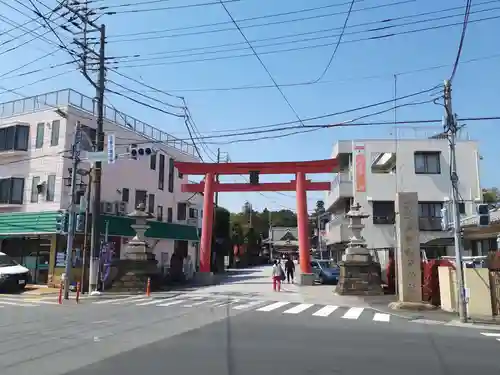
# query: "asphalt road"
[[108, 339]]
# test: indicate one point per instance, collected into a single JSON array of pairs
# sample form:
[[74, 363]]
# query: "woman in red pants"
[[277, 271]]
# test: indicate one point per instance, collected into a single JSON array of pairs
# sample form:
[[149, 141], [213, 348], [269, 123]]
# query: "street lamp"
[[320, 216]]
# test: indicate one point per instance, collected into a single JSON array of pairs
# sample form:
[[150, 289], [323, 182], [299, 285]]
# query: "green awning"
[[29, 223], [121, 226]]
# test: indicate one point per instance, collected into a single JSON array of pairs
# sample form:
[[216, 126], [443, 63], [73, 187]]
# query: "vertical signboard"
[[111, 148], [360, 160]]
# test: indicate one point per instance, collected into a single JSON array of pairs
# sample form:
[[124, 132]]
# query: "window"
[[34, 189], [159, 213], [383, 162], [383, 212], [54, 135], [171, 175], [161, 173], [51, 186], [40, 133], [430, 216], [152, 162], [151, 203], [140, 197], [125, 194], [12, 190], [181, 211], [193, 213], [170, 215], [14, 138], [427, 162], [180, 174]]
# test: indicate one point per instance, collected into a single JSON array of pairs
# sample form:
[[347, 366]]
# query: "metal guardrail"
[[69, 97]]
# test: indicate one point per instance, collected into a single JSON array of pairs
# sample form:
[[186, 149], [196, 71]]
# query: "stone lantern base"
[[359, 275]]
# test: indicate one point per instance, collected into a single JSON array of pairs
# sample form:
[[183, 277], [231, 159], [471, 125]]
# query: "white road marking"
[[273, 306], [379, 317], [325, 311], [490, 334], [17, 304], [153, 302], [115, 300], [353, 313], [299, 308], [171, 303], [200, 303], [133, 301], [247, 305]]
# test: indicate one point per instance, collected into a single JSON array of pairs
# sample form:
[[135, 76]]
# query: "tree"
[[491, 195]]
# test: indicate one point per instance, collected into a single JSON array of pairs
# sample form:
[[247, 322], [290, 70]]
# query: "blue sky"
[[361, 73]]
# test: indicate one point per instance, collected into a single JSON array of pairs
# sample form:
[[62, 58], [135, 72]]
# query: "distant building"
[[283, 240], [36, 134], [373, 171]]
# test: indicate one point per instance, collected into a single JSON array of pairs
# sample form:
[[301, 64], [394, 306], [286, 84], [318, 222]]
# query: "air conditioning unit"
[[108, 208], [121, 208], [192, 221]]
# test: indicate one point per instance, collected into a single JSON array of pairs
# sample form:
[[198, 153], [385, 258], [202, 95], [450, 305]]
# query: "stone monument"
[[359, 273], [139, 263]]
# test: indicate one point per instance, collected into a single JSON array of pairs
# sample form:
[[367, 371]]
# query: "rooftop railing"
[[68, 97]]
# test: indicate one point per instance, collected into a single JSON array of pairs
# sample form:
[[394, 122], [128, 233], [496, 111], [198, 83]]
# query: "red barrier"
[[78, 292], [60, 292], [148, 287]]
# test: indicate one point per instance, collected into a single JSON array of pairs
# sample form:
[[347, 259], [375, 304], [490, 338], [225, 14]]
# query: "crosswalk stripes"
[[24, 302], [251, 304], [491, 334]]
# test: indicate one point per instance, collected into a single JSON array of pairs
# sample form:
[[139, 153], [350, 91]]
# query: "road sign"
[[111, 148]]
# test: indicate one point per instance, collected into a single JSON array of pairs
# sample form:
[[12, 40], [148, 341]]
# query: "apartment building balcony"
[[337, 230], [341, 188]]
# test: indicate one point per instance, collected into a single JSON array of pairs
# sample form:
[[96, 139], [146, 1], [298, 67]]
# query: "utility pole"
[[96, 202], [451, 129], [75, 154], [87, 229]]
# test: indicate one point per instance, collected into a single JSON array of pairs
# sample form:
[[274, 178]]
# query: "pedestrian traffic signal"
[[136, 152], [483, 212], [254, 177], [61, 222], [80, 223]]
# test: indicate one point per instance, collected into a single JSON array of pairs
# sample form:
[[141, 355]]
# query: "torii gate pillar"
[[207, 223], [306, 277]]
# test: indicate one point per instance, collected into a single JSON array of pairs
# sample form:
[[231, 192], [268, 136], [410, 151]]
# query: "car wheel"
[[321, 279]]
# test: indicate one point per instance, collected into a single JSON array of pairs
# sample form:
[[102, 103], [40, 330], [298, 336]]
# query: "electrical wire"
[[261, 62], [462, 38], [316, 46], [271, 23], [353, 79], [106, 9]]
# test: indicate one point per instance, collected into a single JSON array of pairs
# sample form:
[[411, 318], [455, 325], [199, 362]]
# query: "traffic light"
[[483, 213], [80, 223], [62, 222], [254, 177], [136, 152]]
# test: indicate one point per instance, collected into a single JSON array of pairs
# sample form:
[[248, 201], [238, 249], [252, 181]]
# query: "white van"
[[13, 276]]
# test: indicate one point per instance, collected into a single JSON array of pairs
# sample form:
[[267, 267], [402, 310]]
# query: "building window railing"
[[342, 177]]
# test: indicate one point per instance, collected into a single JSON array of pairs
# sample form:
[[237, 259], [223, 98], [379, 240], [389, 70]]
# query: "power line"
[[353, 79], [281, 22], [316, 46], [105, 9], [239, 20], [261, 62], [462, 38]]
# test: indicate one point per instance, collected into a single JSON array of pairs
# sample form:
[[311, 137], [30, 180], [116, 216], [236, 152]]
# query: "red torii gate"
[[300, 185]]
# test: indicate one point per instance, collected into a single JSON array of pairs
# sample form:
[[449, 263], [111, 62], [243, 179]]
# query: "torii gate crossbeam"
[[301, 185]]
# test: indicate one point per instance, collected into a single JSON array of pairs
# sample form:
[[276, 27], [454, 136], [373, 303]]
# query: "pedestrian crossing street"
[[492, 335], [248, 304]]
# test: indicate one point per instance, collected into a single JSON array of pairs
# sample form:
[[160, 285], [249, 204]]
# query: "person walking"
[[277, 271], [290, 269]]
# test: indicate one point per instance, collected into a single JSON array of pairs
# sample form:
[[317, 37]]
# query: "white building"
[[36, 135], [373, 171]]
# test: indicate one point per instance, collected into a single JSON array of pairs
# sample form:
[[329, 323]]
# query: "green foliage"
[[240, 222], [222, 226], [491, 195]]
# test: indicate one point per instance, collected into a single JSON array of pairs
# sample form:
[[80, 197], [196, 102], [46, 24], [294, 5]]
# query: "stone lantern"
[[359, 273], [137, 248]]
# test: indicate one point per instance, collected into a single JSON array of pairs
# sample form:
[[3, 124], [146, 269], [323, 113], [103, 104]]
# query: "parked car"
[[13, 276], [327, 272]]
